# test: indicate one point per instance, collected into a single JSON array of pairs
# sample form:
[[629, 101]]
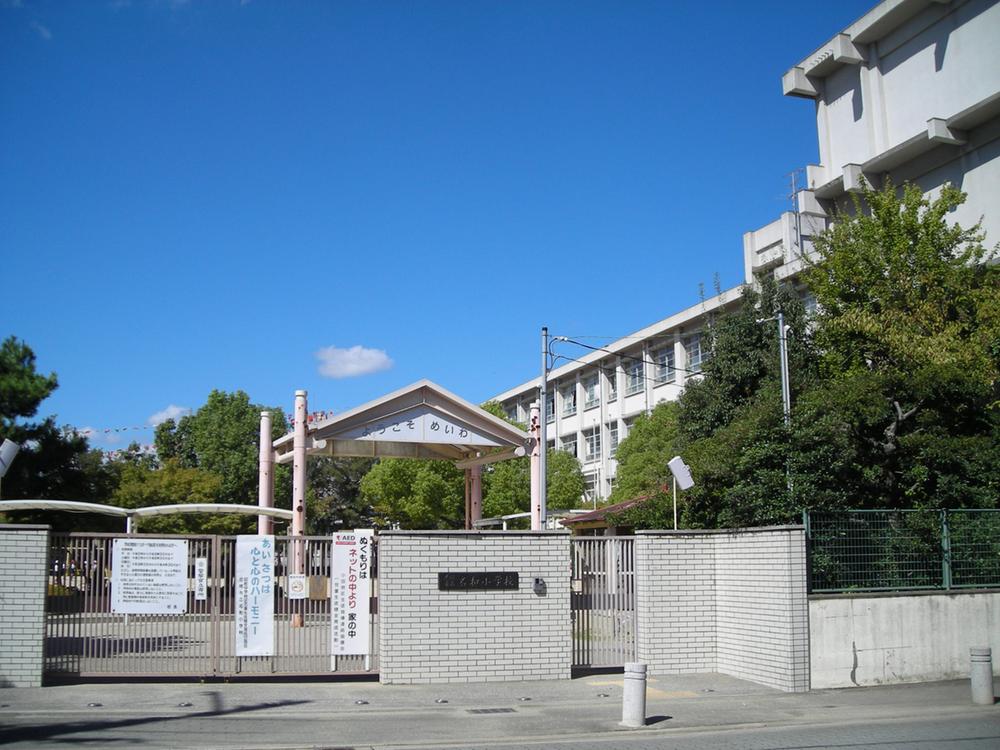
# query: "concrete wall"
[[732, 602], [24, 561], [427, 635], [876, 640]]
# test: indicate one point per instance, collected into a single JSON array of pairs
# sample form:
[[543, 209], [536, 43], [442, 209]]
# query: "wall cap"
[[24, 527], [901, 594], [718, 532]]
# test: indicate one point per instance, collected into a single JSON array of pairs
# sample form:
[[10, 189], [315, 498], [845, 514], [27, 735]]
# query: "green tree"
[[222, 438], [334, 499], [507, 484], [172, 484], [910, 332], [52, 464], [415, 494]]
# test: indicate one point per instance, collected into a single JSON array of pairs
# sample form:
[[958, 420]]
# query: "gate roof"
[[422, 420]]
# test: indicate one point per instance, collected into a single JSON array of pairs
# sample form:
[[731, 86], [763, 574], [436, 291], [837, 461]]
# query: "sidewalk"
[[367, 714]]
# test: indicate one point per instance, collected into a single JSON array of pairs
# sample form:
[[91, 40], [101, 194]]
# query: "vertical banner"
[[254, 595], [149, 576], [350, 593]]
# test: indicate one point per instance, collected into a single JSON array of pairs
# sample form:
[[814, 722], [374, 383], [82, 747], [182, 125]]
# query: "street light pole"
[[786, 391]]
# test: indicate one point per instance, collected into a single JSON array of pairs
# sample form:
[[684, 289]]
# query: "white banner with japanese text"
[[350, 592], [149, 576], [254, 595]]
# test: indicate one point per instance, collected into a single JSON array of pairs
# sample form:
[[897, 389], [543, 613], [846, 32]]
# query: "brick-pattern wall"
[[725, 601], [762, 610], [427, 635], [23, 560], [676, 602]]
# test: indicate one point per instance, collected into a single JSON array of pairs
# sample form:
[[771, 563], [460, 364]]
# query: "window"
[[550, 407], [590, 487], [664, 358], [612, 375], [511, 412], [634, 380], [550, 444], [592, 439], [692, 345], [612, 438], [569, 445], [591, 392], [568, 401]]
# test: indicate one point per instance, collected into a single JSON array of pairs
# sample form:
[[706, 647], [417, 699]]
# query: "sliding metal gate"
[[603, 601], [84, 638]]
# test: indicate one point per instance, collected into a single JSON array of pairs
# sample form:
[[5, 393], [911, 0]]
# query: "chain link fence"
[[897, 550]]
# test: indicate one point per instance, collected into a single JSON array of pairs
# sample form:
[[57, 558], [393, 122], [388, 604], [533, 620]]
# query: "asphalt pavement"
[[585, 711]]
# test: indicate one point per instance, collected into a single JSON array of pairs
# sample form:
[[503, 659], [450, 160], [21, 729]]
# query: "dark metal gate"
[[603, 601], [84, 638]]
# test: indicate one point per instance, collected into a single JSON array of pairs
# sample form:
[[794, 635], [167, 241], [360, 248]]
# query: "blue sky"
[[272, 195]]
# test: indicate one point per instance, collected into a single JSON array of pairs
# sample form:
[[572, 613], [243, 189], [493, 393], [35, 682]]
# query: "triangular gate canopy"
[[422, 420]]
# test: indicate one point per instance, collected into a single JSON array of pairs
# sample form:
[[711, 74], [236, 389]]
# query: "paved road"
[[689, 712]]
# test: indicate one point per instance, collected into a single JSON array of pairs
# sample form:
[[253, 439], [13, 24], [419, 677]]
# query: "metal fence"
[[85, 638], [602, 601], [895, 550]]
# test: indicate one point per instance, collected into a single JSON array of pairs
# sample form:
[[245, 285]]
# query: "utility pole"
[[542, 431]]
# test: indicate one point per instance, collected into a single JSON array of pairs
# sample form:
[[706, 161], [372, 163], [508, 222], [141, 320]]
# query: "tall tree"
[[52, 464], [415, 494], [334, 498], [910, 327], [222, 438]]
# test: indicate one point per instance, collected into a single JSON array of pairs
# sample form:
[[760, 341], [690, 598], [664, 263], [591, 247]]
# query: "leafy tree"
[[507, 484], [222, 438], [334, 499], [52, 463], [415, 494], [174, 484], [895, 384], [909, 325]]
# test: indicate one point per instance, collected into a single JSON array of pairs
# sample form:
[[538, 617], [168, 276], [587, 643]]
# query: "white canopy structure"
[[422, 421], [131, 515]]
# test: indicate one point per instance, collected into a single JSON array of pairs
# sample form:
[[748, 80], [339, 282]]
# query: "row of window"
[[591, 443], [664, 371]]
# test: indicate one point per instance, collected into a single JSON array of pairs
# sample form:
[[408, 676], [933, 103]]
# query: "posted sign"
[[254, 595], [149, 576], [350, 592]]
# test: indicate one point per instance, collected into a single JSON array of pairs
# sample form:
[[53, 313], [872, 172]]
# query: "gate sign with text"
[[350, 589], [254, 595], [149, 576]]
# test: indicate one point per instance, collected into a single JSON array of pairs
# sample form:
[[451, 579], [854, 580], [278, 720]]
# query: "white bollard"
[[634, 696], [981, 675]]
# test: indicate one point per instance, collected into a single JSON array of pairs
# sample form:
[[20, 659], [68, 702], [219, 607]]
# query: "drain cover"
[[491, 711]]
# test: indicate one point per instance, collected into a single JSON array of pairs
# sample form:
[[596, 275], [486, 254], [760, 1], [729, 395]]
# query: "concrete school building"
[[910, 91]]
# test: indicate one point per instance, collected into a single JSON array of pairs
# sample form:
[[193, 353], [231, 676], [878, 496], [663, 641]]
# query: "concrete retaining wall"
[[24, 560], [878, 640], [428, 635], [731, 601]]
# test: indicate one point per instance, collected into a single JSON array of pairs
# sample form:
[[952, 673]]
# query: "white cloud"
[[42, 31], [171, 412], [349, 363]]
